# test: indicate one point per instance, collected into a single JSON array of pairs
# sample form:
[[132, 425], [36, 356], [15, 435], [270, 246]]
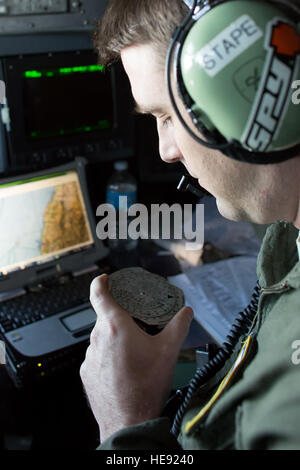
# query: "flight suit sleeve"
[[154, 434]]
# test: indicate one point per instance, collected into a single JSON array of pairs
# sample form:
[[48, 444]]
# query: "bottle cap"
[[121, 165]]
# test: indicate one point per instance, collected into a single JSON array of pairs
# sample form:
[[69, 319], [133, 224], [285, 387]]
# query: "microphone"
[[186, 184]]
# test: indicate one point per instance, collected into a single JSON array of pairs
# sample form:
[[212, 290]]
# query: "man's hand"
[[127, 374]]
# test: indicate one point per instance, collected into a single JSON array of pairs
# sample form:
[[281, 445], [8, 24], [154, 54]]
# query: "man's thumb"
[[178, 328]]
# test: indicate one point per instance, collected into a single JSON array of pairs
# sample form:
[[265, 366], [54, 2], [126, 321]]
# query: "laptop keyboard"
[[52, 299]]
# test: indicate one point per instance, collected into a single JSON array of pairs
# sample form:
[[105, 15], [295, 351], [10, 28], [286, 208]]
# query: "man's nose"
[[168, 149], [170, 154]]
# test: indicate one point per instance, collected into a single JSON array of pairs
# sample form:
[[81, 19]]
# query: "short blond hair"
[[130, 22]]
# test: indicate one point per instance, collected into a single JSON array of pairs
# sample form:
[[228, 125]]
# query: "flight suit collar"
[[278, 261]]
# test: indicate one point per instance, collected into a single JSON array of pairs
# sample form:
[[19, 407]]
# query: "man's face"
[[242, 190]]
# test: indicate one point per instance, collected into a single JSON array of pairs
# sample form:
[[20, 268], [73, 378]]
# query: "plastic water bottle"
[[121, 183]]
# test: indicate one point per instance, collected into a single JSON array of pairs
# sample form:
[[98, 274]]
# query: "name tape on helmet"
[[271, 103], [228, 45]]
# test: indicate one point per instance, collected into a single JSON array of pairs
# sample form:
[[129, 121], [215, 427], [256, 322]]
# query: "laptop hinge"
[[11, 294], [89, 269], [48, 272]]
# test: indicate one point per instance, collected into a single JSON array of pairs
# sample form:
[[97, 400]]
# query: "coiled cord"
[[240, 327]]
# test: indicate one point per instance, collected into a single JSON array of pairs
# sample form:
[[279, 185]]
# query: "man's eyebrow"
[[139, 109]]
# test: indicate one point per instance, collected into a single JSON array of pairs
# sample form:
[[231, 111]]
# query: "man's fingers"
[[108, 311], [99, 289], [100, 297], [178, 328]]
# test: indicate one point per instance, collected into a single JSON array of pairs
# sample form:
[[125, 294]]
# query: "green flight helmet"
[[238, 67]]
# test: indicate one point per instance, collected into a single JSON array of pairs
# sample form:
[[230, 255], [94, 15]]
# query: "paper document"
[[217, 292]]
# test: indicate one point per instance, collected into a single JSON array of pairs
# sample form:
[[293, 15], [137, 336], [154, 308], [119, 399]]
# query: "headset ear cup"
[[232, 65]]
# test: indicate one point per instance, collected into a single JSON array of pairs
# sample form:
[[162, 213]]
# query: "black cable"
[[240, 327]]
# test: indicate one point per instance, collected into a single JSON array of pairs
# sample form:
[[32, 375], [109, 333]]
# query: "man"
[[127, 374]]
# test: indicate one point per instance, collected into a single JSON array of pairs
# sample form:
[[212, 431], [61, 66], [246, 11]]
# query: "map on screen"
[[41, 220]]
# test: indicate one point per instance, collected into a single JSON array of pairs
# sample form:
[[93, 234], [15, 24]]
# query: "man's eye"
[[166, 122]]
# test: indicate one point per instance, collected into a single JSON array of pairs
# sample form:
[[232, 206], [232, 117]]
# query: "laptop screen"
[[42, 219]]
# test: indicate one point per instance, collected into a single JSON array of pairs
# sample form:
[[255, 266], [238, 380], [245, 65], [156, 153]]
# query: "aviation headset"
[[236, 63]]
